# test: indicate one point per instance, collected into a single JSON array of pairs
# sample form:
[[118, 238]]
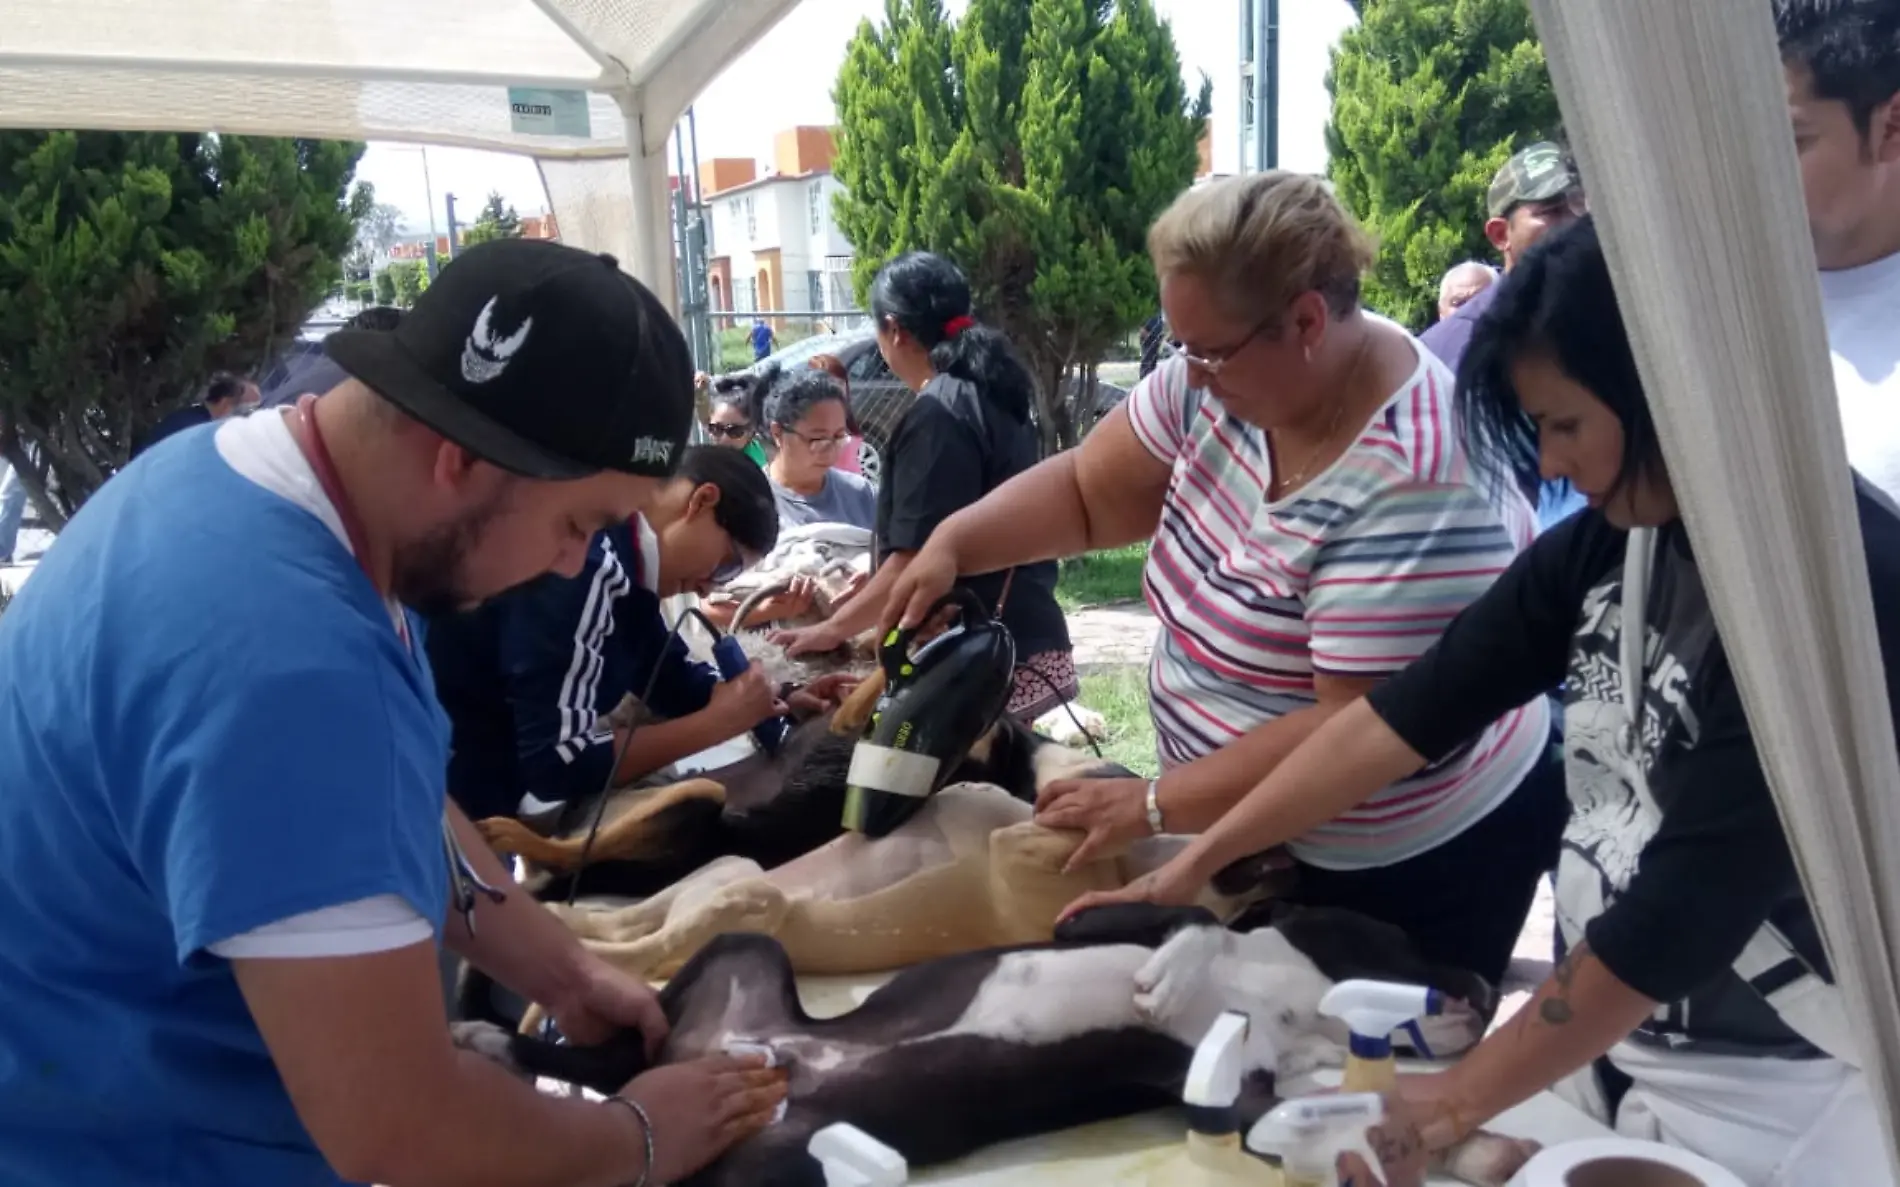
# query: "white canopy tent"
[[590, 88]]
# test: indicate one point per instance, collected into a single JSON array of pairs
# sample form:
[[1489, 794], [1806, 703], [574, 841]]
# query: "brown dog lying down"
[[765, 809], [970, 870], [985, 1047]]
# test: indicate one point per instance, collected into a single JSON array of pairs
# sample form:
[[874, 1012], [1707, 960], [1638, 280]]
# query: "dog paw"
[[1488, 1159], [489, 1041], [504, 834], [1174, 990]]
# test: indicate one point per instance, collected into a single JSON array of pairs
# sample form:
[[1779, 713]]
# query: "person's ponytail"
[[929, 298]]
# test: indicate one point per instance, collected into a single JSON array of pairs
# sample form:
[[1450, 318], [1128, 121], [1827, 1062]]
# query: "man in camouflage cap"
[[1535, 192]]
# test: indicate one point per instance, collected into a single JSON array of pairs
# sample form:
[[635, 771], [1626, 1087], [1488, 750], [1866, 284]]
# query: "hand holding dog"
[[1113, 812], [701, 1108]]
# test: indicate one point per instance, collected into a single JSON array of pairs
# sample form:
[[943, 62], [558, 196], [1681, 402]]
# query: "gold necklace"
[[1293, 481]]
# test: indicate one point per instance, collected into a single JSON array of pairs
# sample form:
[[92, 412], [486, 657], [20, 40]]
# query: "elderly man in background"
[[1461, 283]]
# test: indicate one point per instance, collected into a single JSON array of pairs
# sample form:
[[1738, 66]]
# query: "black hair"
[[746, 391], [1558, 301], [224, 386], [376, 317], [924, 293], [1851, 47], [798, 393], [746, 508]]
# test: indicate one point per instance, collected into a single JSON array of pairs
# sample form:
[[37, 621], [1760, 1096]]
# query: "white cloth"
[[1862, 307], [1773, 1122], [261, 449]]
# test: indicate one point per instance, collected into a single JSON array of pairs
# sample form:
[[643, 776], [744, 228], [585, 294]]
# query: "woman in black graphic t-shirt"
[[967, 432], [1695, 1005]]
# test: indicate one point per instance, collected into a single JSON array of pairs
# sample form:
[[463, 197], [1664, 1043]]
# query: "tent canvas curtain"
[[1678, 115], [429, 71]]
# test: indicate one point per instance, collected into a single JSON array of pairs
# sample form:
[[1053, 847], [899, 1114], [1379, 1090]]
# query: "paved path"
[[1110, 636]]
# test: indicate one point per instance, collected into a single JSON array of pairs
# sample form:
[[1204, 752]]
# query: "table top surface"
[[1128, 1152]]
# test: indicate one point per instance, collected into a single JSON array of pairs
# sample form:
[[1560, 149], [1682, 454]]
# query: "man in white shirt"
[[1842, 60]]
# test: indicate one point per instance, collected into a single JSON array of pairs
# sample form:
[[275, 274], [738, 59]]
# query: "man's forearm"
[[516, 941], [658, 743], [1579, 1013], [496, 1130]]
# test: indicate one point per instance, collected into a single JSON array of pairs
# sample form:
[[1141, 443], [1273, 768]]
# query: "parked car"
[[879, 399]]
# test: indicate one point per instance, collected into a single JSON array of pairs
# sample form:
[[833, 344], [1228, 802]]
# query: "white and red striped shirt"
[[1354, 574]]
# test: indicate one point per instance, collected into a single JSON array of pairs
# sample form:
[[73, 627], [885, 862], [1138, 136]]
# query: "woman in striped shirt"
[[1313, 526]]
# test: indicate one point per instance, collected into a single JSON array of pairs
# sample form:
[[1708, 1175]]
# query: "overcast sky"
[[739, 112]]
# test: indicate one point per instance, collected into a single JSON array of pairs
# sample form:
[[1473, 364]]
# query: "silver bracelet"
[[1154, 807], [646, 1132]]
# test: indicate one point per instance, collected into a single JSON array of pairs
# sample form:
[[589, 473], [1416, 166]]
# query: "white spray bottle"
[[1373, 1010], [1309, 1133], [1213, 1156], [852, 1158]]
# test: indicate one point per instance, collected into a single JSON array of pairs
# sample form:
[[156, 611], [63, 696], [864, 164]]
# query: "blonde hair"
[[1260, 240]]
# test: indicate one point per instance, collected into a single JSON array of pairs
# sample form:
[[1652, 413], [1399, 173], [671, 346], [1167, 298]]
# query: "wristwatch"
[[1154, 807]]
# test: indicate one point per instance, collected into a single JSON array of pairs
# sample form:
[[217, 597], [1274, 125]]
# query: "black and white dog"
[[961, 1053]]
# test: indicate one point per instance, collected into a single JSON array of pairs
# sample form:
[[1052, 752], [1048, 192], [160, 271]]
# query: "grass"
[[1098, 578], [1121, 696]]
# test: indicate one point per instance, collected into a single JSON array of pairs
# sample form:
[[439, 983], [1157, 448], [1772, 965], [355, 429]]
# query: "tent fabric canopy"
[[430, 71]]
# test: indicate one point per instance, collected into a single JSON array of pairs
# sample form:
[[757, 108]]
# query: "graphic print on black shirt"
[[1676, 867], [1614, 815]]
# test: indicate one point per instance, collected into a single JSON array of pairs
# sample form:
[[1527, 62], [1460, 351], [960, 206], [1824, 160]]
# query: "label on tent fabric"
[[538, 111]]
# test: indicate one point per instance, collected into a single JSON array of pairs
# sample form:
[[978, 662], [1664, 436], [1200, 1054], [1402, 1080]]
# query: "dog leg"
[[1486, 1159], [751, 905], [627, 837], [1028, 887], [854, 713]]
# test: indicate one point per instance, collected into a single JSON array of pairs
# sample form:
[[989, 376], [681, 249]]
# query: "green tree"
[[411, 277], [134, 265], [497, 220], [385, 286], [1430, 97], [1032, 142]]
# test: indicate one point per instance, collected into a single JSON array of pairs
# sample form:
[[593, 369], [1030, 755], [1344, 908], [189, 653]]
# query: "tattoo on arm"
[[1555, 1009]]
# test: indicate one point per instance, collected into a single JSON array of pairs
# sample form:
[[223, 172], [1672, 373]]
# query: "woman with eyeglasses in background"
[[806, 414], [967, 432], [1313, 526], [734, 418], [529, 678]]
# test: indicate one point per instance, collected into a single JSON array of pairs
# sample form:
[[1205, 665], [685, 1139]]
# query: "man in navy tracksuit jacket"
[[528, 678]]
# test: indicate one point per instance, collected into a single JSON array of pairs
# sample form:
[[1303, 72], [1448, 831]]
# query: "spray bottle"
[[852, 1158], [1373, 1010], [1213, 1156], [731, 661], [1309, 1133]]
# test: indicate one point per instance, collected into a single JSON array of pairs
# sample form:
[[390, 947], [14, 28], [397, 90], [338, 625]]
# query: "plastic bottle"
[[1310, 1132], [731, 661], [1373, 1010], [852, 1158], [1213, 1155]]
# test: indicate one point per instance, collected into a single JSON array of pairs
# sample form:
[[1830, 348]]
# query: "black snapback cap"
[[543, 359]]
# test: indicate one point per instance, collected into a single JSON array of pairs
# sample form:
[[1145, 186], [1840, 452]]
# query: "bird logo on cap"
[[485, 355]]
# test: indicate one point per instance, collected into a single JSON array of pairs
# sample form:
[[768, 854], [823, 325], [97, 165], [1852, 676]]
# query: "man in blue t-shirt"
[[763, 339], [227, 847]]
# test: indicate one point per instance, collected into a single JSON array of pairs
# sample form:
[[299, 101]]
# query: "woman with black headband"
[[967, 433]]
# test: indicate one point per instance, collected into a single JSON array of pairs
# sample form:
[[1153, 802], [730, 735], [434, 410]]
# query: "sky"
[[801, 57]]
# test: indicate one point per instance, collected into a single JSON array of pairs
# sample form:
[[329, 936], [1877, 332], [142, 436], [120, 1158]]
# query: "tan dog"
[[969, 871]]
